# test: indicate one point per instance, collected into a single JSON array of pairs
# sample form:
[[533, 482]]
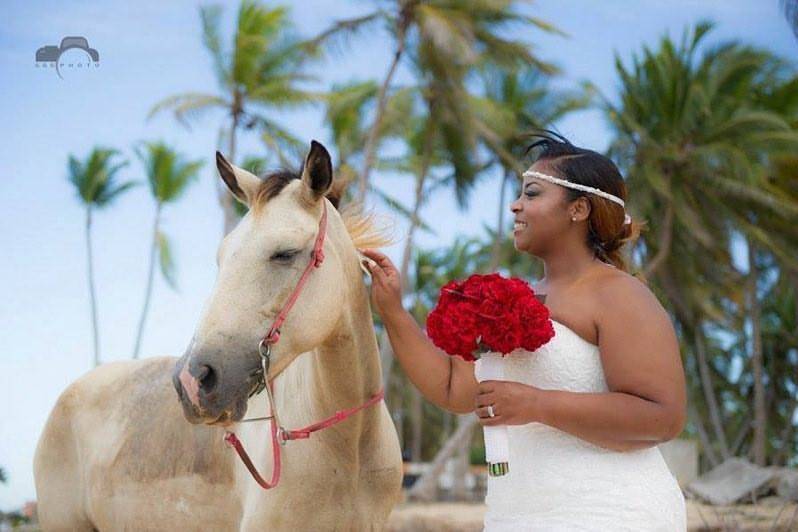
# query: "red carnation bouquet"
[[488, 313], [485, 318]]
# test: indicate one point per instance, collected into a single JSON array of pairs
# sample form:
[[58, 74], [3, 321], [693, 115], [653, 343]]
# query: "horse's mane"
[[365, 228]]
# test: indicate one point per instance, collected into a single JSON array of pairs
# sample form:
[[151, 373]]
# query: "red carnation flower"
[[488, 313]]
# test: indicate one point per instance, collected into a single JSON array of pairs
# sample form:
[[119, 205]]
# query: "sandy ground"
[[467, 517], [462, 517]]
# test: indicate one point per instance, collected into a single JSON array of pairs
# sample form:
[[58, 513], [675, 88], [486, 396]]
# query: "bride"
[[585, 411]]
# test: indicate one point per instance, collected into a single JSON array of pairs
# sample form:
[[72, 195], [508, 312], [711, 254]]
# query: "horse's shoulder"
[[144, 424]]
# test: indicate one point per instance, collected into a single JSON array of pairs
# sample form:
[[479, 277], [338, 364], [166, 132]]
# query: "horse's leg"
[[59, 492]]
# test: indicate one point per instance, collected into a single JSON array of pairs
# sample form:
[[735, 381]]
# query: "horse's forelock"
[[363, 228], [271, 185]]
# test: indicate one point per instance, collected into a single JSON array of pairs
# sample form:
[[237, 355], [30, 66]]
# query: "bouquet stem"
[[490, 367]]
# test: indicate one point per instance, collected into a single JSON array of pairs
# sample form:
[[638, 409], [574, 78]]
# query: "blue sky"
[[149, 50]]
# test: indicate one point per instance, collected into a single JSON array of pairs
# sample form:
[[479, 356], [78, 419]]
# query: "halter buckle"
[[265, 351], [282, 436]]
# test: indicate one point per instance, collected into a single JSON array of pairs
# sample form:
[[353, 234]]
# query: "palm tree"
[[421, 157], [347, 107], [447, 37], [345, 111], [95, 181], [693, 143], [773, 239], [261, 72], [168, 176], [779, 338]]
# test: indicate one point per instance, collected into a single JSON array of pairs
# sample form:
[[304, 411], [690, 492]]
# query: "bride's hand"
[[513, 403], [386, 284]]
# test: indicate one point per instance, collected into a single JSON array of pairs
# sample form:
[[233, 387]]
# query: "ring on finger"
[[491, 413]]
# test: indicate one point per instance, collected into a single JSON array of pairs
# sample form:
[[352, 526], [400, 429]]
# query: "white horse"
[[116, 452]]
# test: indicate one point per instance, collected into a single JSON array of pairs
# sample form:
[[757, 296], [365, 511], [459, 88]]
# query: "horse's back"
[[117, 453]]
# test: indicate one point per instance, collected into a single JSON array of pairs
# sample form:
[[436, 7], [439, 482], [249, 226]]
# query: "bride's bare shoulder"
[[620, 290], [613, 280]]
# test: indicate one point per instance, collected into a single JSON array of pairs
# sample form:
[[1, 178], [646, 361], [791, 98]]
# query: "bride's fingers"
[[484, 399], [374, 255], [491, 421], [484, 412], [381, 259], [373, 266], [376, 270]]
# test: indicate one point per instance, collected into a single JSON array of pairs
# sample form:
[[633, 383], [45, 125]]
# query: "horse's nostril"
[[206, 378]]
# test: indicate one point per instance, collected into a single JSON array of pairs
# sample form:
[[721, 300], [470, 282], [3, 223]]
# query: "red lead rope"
[[272, 337], [287, 435]]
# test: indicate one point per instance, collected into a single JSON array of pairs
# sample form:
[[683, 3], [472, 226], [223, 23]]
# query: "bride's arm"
[[613, 420], [448, 382], [443, 380]]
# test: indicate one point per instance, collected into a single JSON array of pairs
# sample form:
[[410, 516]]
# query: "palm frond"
[[339, 35], [189, 107], [210, 17], [167, 171], [166, 260], [95, 179]]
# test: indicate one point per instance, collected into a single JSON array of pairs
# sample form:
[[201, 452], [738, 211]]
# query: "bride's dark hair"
[[607, 234]]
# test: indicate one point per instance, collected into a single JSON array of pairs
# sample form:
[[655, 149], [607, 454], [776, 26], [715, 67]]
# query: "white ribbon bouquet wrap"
[[490, 367]]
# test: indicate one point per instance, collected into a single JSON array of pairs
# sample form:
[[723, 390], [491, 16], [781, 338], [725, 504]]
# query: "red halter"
[[279, 435]]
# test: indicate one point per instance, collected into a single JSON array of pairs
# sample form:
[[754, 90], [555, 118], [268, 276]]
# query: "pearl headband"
[[565, 183]]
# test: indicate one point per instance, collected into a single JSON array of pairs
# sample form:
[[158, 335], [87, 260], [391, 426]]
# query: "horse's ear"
[[241, 183], [317, 174]]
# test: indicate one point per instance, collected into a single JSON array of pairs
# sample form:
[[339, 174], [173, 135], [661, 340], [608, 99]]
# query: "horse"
[[139, 444]]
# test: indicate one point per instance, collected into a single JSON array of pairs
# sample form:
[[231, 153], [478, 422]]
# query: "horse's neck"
[[341, 373], [347, 365]]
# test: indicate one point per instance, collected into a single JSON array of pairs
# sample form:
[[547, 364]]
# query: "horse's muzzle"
[[202, 395]]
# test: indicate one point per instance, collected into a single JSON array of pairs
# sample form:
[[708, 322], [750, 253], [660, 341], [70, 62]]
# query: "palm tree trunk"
[[709, 392], [706, 443], [787, 436], [415, 221], [742, 434], [92, 294], [495, 255], [382, 100], [690, 322], [460, 470], [665, 239], [386, 352], [416, 424], [150, 275], [225, 198], [416, 402], [426, 486], [757, 365]]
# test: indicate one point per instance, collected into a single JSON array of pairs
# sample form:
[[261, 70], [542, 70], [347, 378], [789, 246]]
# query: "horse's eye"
[[285, 256]]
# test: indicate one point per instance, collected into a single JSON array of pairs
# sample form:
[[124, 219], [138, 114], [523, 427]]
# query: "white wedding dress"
[[560, 482]]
